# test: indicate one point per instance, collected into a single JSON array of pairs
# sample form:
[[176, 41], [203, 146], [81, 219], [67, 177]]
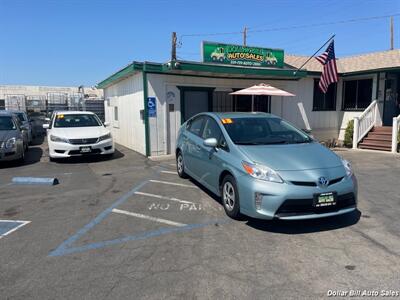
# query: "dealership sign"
[[241, 55]]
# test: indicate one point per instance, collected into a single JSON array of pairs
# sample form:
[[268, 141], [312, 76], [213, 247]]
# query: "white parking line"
[[169, 172], [23, 223], [128, 213], [173, 183], [164, 197]]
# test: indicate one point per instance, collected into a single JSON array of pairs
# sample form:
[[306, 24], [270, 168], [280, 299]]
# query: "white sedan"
[[73, 133]]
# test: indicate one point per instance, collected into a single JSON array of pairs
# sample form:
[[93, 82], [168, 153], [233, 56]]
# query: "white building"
[[147, 102]]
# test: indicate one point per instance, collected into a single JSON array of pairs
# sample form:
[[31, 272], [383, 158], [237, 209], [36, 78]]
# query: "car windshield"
[[78, 120], [7, 123], [263, 131]]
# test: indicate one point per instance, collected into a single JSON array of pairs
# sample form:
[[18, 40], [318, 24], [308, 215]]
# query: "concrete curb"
[[35, 180]]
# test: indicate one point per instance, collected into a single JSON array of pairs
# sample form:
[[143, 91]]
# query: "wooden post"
[[394, 134], [391, 34], [355, 132], [173, 49]]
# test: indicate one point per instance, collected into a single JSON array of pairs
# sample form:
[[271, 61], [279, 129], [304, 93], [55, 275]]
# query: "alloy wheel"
[[229, 196]]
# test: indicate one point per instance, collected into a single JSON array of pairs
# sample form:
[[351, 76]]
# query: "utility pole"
[[391, 34], [245, 36], [173, 49]]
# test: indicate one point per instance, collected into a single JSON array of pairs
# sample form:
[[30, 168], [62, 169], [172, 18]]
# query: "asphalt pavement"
[[130, 228]]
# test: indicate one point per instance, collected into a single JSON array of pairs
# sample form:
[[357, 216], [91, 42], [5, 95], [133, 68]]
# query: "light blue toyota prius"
[[263, 167]]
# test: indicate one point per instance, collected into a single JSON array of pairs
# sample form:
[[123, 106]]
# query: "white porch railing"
[[364, 123], [395, 130]]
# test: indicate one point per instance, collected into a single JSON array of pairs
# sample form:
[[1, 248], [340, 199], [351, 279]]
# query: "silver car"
[[264, 167], [23, 118], [13, 137]]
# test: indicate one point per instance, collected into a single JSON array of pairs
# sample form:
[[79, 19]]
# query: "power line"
[[325, 23], [290, 27]]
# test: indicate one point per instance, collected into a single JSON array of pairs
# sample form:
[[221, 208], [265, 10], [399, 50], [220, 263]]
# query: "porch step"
[[379, 138], [382, 134], [382, 129], [375, 147]]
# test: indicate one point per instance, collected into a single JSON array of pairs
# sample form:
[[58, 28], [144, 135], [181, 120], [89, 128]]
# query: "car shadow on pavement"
[[32, 156], [38, 140], [89, 158], [306, 226]]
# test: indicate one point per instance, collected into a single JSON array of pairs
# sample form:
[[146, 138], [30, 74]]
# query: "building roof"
[[383, 60], [204, 69]]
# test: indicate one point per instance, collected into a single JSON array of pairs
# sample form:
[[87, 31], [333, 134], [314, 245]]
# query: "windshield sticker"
[[227, 121], [60, 116]]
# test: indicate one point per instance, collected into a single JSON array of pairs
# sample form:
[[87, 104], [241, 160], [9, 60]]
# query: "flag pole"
[[295, 72]]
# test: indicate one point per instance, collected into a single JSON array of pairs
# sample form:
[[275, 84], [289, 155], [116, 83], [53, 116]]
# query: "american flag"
[[329, 73]]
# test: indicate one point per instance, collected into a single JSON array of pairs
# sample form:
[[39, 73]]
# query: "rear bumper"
[[64, 150]]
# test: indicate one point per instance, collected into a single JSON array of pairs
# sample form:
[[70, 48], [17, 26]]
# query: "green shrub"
[[348, 135]]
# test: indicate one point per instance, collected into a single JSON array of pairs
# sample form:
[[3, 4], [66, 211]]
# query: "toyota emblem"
[[323, 181]]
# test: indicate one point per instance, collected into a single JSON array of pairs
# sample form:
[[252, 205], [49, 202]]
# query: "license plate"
[[86, 149], [325, 199]]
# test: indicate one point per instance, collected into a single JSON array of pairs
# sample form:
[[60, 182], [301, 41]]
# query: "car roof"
[[16, 111], [6, 113], [236, 115], [73, 112]]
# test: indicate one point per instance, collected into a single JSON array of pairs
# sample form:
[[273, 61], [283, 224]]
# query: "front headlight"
[[58, 139], [261, 172], [347, 167], [105, 137], [11, 143]]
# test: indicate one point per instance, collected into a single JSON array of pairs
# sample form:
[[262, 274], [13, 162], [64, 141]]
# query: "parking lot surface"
[[130, 228]]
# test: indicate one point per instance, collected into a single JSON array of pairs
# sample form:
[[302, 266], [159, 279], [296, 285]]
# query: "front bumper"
[[64, 150], [10, 154], [291, 202]]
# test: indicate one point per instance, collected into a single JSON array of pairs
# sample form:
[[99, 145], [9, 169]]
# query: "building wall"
[[325, 125], [129, 129], [127, 96]]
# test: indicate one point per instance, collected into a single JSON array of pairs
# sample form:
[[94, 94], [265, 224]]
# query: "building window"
[[115, 113], [261, 103], [357, 94], [323, 101]]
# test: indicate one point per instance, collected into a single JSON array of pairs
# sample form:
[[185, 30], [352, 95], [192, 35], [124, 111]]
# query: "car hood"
[[292, 157], [7, 134], [79, 132]]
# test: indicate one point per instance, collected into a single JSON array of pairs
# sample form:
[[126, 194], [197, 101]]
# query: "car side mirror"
[[46, 126], [211, 142], [106, 124], [47, 119]]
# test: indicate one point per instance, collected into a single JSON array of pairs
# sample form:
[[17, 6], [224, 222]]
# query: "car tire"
[[230, 197], [180, 165]]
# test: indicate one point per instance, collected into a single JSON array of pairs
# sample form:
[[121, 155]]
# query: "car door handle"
[[198, 148]]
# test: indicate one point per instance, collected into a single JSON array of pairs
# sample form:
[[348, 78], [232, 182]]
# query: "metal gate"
[[45, 105]]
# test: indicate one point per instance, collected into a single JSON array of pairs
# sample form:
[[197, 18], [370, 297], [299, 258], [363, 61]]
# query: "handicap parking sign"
[[151, 106]]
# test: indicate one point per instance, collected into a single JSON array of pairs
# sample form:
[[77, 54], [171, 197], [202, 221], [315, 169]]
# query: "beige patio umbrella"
[[262, 89]]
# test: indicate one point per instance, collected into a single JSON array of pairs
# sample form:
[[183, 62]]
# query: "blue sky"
[[73, 42]]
